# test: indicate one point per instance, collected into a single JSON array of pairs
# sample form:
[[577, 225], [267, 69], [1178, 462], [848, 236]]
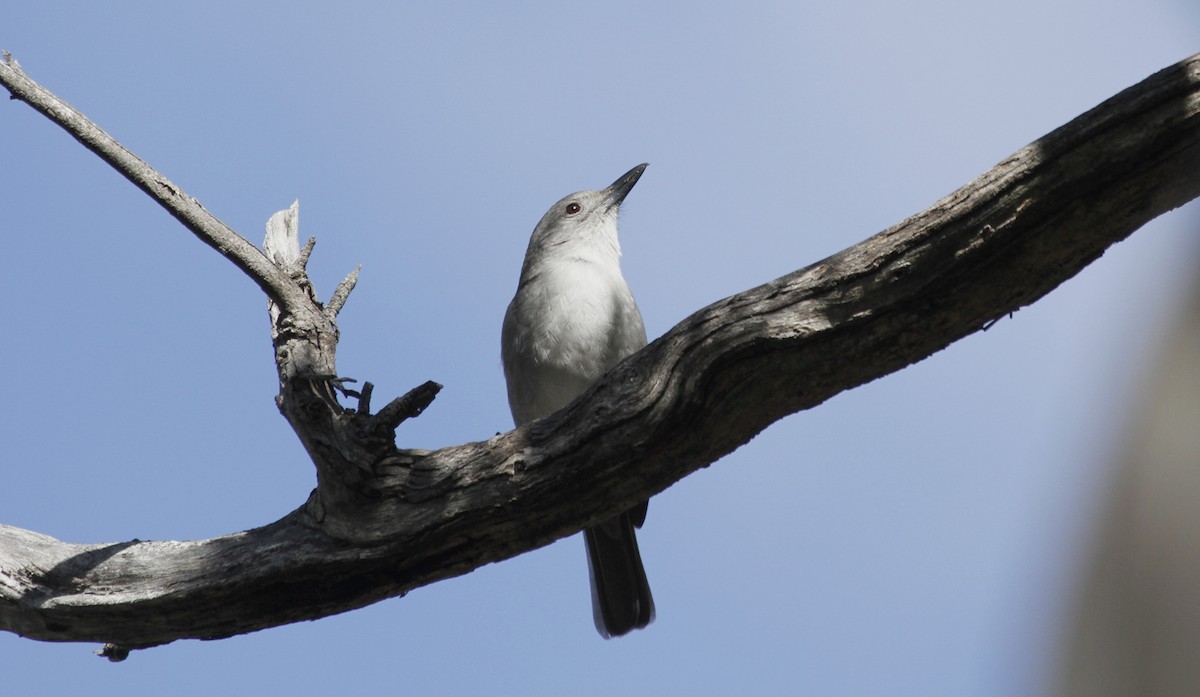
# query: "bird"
[[572, 319]]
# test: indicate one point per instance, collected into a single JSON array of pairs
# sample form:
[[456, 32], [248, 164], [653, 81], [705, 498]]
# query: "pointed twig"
[[408, 406], [306, 252], [342, 293]]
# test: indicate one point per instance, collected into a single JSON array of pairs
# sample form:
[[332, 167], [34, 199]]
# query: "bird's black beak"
[[619, 189]]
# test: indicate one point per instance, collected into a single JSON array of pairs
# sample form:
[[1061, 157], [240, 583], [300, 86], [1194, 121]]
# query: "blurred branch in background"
[[1136, 629]]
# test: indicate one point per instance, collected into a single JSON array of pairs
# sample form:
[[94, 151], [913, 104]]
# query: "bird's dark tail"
[[621, 600]]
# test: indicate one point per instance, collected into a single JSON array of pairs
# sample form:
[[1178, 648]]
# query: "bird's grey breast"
[[595, 324]]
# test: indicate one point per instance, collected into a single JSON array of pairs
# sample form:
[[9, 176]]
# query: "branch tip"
[[281, 242], [342, 293], [339, 384], [364, 398], [306, 252], [409, 406]]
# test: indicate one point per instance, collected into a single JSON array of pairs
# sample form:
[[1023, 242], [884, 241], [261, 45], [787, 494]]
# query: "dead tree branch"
[[383, 521]]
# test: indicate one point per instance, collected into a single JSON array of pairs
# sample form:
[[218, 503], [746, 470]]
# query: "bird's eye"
[[572, 208]]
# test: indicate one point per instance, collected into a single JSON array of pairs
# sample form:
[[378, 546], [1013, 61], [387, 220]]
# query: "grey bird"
[[572, 319]]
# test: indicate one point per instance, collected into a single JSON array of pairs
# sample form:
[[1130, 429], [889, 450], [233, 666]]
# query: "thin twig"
[[302, 262], [170, 196], [364, 398], [408, 406], [341, 293]]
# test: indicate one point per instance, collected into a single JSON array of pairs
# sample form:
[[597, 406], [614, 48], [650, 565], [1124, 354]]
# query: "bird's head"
[[584, 220]]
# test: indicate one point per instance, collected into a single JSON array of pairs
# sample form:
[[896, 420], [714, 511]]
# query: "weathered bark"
[[383, 521]]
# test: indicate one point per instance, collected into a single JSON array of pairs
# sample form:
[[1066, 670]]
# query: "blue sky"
[[919, 535]]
